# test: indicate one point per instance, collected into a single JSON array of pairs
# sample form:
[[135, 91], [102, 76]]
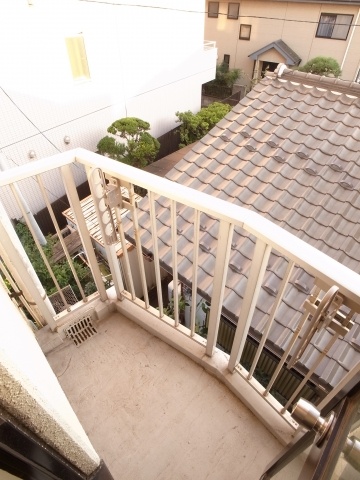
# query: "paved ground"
[[152, 413]]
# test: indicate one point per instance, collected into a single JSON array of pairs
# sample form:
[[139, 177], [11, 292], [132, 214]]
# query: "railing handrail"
[[268, 236], [36, 167], [316, 262]]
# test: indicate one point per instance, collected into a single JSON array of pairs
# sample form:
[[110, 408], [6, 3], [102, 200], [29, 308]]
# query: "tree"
[[326, 66], [225, 76], [110, 147], [139, 149], [223, 82], [196, 126]]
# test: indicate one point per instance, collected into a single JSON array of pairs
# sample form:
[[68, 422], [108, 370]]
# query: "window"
[[77, 56], [334, 26], [233, 11], [213, 9], [245, 32]]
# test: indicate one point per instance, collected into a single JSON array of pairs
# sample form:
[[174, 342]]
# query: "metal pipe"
[[350, 40]]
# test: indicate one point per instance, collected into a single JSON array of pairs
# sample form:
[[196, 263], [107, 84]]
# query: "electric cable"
[[203, 12]]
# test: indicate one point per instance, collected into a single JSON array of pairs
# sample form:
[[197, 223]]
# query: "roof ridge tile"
[[328, 83]]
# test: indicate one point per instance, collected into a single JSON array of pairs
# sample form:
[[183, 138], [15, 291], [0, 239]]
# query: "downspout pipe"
[[350, 39]]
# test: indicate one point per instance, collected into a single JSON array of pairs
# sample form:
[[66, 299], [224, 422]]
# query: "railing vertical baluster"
[[307, 377], [111, 256], [347, 379], [39, 247], [194, 271], [74, 201], [60, 237], [174, 257], [128, 274], [272, 314], [137, 236], [286, 352], [257, 271], [220, 273], [156, 253]]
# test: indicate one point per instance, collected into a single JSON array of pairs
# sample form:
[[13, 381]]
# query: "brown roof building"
[[289, 151]]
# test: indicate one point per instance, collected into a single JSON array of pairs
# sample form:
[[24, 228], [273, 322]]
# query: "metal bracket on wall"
[[102, 205]]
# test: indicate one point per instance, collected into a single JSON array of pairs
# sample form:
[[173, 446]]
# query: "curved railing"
[[167, 230]]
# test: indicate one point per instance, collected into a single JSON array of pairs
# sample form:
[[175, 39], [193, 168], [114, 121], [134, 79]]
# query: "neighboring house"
[[257, 35], [289, 151], [69, 68]]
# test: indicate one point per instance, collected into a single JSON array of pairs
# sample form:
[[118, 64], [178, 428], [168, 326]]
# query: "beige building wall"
[[293, 22]]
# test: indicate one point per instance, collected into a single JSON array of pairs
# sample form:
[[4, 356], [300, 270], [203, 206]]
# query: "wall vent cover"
[[81, 330]]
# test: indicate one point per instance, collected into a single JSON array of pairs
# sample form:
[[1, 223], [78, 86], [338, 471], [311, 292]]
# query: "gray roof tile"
[[292, 156]]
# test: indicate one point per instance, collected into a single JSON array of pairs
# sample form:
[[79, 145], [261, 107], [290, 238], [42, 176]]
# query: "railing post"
[[256, 275], [156, 252], [21, 269], [194, 270], [272, 314], [220, 274], [174, 260], [74, 201], [95, 181]]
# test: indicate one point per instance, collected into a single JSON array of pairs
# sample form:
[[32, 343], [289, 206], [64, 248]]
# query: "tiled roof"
[[165, 164], [289, 151]]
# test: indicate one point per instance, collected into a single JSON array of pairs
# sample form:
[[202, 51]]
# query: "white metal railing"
[[209, 44], [110, 202]]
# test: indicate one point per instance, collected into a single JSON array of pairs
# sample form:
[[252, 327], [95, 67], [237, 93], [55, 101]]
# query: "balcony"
[[159, 395], [151, 412]]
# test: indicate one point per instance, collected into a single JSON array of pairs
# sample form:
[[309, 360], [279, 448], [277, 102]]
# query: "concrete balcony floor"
[[152, 413]]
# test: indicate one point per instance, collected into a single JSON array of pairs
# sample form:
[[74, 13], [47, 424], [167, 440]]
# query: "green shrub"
[[326, 66], [225, 76], [139, 148], [194, 126]]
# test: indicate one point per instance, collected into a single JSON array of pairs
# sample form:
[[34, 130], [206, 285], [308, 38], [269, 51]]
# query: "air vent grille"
[[81, 330]]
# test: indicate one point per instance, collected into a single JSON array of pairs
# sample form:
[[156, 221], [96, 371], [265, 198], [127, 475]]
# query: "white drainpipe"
[[350, 40]]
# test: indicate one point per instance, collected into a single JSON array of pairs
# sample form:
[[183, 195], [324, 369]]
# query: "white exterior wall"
[[30, 391], [146, 61]]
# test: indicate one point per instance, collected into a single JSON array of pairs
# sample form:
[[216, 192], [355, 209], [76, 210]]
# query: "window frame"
[[335, 16], [213, 14], [226, 59], [233, 17], [245, 37], [78, 59]]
